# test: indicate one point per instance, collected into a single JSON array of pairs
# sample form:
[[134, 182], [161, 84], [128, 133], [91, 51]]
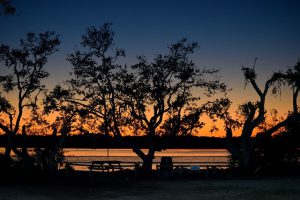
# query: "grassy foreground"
[[267, 188]]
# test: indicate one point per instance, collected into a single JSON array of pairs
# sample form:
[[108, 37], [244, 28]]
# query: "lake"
[[127, 155]]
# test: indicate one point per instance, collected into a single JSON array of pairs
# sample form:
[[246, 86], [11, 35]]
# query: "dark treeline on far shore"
[[100, 141]]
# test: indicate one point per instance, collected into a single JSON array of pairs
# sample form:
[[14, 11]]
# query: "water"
[[127, 155]]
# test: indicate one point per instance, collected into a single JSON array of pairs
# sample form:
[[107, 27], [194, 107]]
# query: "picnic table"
[[105, 166]]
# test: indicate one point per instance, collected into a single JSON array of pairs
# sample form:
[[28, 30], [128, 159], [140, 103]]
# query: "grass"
[[279, 188]]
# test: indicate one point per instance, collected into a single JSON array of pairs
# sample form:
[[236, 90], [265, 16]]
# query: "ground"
[[267, 188]]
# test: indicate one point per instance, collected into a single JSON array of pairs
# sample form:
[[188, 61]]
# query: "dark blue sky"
[[230, 33]]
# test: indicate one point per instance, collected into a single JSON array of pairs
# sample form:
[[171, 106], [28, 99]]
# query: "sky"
[[230, 33]]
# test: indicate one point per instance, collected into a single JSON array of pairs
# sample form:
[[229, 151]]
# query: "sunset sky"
[[230, 33]]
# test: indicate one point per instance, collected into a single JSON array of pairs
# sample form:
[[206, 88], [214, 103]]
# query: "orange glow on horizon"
[[282, 103]]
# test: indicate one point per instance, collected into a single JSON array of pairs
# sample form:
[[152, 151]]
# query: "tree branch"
[[289, 119], [256, 88], [295, 97], [4, 128]]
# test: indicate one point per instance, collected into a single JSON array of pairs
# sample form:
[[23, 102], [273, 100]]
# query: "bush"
[[5, 164], [40, 163], [279, 154]]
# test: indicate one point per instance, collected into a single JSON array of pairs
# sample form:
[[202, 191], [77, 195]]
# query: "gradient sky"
[[230, 33]]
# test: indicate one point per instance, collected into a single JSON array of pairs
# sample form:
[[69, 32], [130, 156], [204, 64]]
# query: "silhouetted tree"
[[92, 87], [152, 99], [163, 96], [253, 114], [21, 76], [63, 124], [278, 151], [8, 8], [292, 78]]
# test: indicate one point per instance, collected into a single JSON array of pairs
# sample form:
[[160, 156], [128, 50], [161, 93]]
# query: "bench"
[[194, 168], [105, 166]]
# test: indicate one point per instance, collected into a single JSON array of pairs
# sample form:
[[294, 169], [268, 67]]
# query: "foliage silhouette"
[[252, 115], [281, 152], [149, 98], [25, 69], [8, 8]]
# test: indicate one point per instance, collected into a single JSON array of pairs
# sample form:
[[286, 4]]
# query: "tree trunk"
[[10, 146], [235, 152], [247, 154], [148, 160], [54, 149], [247, 163], [7, 151], [147, 164], [24, 143], [295, 97]]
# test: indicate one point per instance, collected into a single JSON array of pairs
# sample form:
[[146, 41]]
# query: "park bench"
[[193, 168]]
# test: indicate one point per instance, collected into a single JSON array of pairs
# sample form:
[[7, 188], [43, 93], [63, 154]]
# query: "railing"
[[118, 165]]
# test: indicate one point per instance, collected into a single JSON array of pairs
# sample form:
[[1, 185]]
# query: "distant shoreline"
[[102, 142]]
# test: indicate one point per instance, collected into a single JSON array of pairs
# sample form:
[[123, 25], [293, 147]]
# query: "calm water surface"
[[127, 155]]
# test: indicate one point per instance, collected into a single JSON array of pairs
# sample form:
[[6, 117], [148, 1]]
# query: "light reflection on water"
[[129, 152], [127, 155]]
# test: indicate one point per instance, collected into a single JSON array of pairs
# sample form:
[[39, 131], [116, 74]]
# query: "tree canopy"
[[23, 71], [160, 97]]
